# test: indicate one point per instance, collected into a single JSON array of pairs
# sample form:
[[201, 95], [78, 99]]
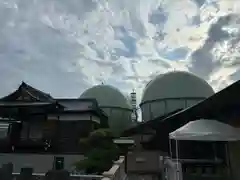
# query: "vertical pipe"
[[178, 178], [228, 160], [170, 147]]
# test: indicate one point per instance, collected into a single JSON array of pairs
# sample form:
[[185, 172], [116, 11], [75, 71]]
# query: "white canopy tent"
[[204, 130]]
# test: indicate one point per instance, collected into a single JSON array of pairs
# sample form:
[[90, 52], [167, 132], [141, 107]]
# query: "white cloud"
[[64, 47]]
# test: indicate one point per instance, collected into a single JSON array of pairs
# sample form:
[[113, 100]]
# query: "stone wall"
[[117, 172], [27, 172], [41, 163]]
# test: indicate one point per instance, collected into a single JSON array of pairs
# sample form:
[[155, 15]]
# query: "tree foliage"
[[101, 152]]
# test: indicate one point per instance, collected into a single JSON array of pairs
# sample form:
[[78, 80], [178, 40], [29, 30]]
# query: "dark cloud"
[[216, 33], [158, 17], [195, 20], [129, 42], [202, 59], [199, 3], [202, 63]]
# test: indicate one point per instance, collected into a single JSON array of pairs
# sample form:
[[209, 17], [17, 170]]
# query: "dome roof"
[[107, 96], [177, 84]]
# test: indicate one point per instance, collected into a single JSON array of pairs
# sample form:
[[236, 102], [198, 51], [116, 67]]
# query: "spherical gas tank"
[[114, 104], [172, 91]]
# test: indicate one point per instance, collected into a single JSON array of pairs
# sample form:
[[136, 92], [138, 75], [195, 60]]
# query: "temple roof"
[[28, 93]]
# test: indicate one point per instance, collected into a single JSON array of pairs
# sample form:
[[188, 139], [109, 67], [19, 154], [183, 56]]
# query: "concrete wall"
[[117, 171], [79, 117], [40, 163], [76, 104], [173, 169], [144, 162], [75, 117]]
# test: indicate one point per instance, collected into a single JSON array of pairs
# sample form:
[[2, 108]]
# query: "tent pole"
[[228, 160], [170, 147], [178, 178], [214, 150]]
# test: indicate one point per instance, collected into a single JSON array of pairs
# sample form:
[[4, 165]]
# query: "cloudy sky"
[[66, 46]]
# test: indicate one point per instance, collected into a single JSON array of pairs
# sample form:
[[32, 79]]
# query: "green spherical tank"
[[172, 91], [114, 104]]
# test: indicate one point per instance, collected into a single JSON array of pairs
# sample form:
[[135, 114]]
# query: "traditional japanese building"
[[34, 123]]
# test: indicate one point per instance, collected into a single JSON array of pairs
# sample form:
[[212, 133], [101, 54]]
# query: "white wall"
[[75, 117], [77, 105], [79, 117], [3, 130], [40, 163]]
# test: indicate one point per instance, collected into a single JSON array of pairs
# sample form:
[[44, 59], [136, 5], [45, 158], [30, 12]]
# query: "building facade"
[[34, 123]]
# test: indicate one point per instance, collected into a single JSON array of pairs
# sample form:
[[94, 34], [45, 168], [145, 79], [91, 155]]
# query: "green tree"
[[101, 152]]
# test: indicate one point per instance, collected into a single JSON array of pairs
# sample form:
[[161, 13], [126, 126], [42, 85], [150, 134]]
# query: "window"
[[32, 130], [24, 132], [4, 130], [36, 131]]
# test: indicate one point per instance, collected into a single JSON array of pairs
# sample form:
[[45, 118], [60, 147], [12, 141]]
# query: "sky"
[[64, 47]]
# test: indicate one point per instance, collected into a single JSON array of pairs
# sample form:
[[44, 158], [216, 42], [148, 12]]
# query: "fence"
[[200, 172], [117, 172]]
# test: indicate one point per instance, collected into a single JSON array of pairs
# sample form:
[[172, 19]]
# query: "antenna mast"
[[134, 106]]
